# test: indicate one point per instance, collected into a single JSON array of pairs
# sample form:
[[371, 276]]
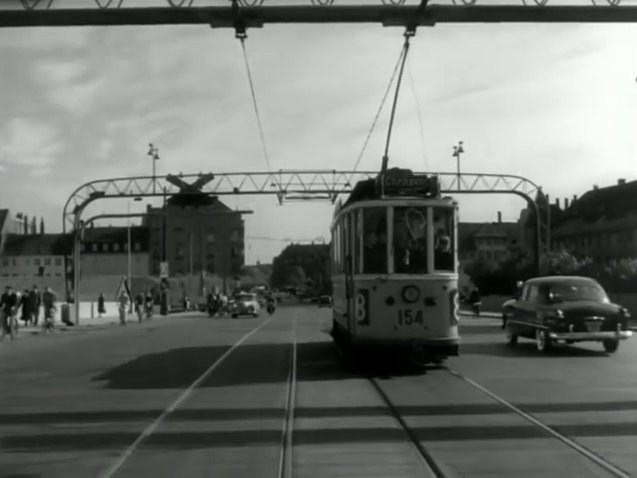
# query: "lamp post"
[[129, 272], [457, 151], [153, 152]]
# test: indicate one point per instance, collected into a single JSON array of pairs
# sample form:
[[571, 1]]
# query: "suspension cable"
[[379, 111]]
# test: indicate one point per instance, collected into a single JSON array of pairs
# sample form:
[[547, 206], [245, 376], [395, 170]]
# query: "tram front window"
[[443, 230], [375, 240], [410, 240]]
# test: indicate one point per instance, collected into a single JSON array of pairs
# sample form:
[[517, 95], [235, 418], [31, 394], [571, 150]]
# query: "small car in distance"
[[245, 304], [564, 309], [324, 301]]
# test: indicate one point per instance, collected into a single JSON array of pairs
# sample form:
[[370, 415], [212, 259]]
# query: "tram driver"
[[443, 256]]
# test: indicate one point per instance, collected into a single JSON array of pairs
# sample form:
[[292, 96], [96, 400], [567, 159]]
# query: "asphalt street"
[[178, 396]]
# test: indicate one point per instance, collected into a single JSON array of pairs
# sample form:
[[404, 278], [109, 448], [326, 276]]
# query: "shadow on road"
[[248, 364]]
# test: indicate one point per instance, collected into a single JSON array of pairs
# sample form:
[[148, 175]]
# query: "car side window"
[[533, 295]]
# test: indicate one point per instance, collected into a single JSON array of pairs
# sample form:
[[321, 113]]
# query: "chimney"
[[557, 203], [595, 187], [574, 197], [565, 203], [41, 225], [25, 222], [34, 228], [499, 217], [621, 181]]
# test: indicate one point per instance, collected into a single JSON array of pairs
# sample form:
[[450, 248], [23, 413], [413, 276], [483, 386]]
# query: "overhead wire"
[[379, 111], [421, 125], [255, 104]]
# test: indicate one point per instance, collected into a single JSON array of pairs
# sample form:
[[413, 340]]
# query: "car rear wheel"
[[512, 339], [610, 346], [542, 340], [234, 316]]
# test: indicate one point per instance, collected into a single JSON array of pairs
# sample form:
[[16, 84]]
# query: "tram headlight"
[[410, 294]]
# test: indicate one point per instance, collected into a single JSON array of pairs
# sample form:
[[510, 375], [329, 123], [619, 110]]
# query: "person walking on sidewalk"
[[35, 301], [123, 302], [26, 307], [101, 306], [139, 306], [48, 300]]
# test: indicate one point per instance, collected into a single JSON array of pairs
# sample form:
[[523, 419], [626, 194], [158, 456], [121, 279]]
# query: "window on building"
[[47, 262], [94, 247], [125, 247], [116, 247], [234, 237], [36, 262], [14, 261], [105, 247], [57, 274], [138, 247], [178, 229], [210, 238], [5, 262]]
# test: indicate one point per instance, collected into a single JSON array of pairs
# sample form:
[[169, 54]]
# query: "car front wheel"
[[610, 346], [542, 340], [512, 339]]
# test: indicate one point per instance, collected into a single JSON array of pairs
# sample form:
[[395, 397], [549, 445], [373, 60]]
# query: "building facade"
[[28, 255], [104, 251], [601, 224], [196, 238], [489, 241]]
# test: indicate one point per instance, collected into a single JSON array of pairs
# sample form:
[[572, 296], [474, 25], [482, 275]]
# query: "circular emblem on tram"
[[410, 294]]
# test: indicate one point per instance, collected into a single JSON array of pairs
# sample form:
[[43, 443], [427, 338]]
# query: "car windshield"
[[246, 297], [574, 291]]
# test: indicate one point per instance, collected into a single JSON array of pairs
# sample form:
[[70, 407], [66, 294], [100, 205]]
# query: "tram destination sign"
[[407, 184]]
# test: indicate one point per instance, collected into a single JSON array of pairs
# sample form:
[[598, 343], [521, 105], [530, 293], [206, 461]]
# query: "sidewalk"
[[85, 323]]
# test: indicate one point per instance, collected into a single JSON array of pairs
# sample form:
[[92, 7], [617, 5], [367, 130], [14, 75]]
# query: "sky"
[[554, 103]]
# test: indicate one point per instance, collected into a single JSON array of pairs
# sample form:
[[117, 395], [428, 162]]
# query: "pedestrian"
[[35, 301], [122, 302], [48, 300], [139, 305], [149, 303], [8, 303], [26, 307], [101, 309]]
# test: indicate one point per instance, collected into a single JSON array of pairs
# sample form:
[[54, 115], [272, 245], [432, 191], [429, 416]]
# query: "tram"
[[394, 267]]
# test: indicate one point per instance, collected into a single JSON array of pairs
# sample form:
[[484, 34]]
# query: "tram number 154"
[[409, 317]]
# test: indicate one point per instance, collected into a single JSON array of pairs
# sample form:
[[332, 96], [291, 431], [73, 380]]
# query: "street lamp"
[[457, 151], [153, 152], [130, 287]]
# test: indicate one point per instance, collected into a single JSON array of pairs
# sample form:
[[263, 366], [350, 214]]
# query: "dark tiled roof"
[[117, 234], [610, 202], [578, 225], [37, 245]]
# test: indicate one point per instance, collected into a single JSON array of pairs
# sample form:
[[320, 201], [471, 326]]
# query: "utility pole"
[[457, 151], [153, 152]]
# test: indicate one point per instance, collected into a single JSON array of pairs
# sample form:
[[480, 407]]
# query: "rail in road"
[[267, 397]]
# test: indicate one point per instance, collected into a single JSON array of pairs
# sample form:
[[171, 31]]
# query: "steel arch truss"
[[256, 13], [290, 186]]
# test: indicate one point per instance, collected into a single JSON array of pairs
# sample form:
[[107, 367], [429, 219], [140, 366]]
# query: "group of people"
[[26, 305], [144, 305], [217, 304]]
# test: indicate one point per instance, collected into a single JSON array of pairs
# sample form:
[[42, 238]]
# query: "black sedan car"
[[564, 309]]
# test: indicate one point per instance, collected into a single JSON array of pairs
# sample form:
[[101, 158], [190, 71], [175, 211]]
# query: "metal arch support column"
[[77, 236], [537, 246]]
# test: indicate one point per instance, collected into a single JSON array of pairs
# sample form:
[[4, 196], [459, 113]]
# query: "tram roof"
[[395, 184]]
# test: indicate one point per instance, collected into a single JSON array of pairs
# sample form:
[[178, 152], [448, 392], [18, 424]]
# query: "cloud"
[[29, 143]]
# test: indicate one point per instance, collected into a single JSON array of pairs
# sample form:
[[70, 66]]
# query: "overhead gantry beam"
[[220, 14], [286, 185]]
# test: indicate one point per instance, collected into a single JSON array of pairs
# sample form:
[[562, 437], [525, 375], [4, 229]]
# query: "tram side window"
[[375, 240], [443, 239], [410, 240]]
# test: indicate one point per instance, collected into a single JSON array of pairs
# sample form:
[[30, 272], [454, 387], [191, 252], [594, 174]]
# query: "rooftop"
[[37, 245]]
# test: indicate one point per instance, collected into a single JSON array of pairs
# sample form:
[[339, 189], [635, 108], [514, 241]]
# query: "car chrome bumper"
[[619, 335]]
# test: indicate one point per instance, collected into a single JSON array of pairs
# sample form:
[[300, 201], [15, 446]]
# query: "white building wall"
[[114, 264], [31, 266]]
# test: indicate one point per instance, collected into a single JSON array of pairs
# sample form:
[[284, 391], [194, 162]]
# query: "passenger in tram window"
[[416, 224], [443, 256]]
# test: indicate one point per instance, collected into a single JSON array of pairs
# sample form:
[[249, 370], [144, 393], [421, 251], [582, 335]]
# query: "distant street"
[[120, 401]]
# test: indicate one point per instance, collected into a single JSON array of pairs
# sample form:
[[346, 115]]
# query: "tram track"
[[589, 454], [428, 462], [286, 458]]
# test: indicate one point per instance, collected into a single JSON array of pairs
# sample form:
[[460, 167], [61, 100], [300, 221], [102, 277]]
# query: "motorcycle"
[[271, 308]]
